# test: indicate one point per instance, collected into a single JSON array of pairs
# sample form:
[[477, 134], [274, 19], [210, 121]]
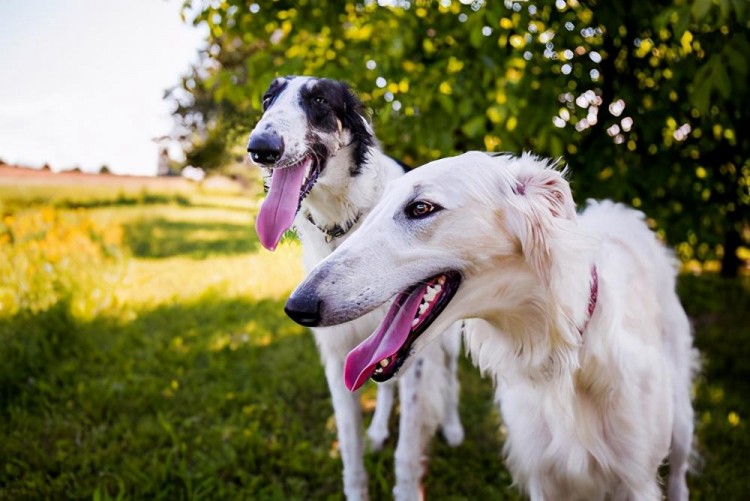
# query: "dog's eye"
[[420, 209], [320, 100], [266, 102]]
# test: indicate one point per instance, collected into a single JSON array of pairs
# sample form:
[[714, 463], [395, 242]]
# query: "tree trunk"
[[730, 263]]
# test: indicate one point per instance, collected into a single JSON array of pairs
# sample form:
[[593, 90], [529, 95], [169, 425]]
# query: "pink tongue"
[[280, 206], [389, 337]]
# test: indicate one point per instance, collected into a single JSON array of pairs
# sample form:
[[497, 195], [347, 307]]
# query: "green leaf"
[[474, 128], [683, 21], [721, 81], [725, 7], [700, 8], [446, 102], [475, 37], [740, 8], [556, 146], [735, 53], [704, 82]]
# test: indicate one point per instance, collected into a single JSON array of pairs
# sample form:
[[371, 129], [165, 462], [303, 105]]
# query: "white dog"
[[325, 172], [578, 319]]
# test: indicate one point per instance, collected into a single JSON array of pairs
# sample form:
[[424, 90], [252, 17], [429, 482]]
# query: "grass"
[[154, 361]]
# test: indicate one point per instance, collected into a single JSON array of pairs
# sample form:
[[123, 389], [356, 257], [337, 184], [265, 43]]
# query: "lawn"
[[144, 353]]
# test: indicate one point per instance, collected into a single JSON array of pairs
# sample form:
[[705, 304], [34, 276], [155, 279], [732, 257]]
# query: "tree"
[[646, 100]]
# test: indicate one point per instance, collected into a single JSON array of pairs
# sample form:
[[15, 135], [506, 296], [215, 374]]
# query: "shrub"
[[47, 256], [55, 268]]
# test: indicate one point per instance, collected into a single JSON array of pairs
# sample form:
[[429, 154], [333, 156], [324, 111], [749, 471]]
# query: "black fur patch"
[[274, 91], [405, 167], [328, 101]]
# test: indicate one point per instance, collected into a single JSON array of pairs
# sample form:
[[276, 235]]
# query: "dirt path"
[[10, 176]]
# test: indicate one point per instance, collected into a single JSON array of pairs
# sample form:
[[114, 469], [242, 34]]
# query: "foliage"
[[143, 198], [720, 311], [192, 383], [646, 100], [47, 257], [54, 267]]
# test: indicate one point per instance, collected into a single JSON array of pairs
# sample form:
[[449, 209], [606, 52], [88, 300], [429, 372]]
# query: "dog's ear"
[[352, 118], [553, 244], [543, 196], [546, 191], [352, 114]]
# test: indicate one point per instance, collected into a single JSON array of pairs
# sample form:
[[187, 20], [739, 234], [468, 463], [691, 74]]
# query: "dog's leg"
[[648, 491], [451, 427], [682, 437], [679, 454], [348, 416], [378, 430], [422, 396], [682, 441], [685, 363], [409, 450]]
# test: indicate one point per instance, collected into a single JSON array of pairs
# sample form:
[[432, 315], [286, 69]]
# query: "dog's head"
[[305, 122], [473, 236]]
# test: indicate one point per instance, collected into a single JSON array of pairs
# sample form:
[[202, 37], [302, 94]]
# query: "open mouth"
[[312, 176], [381, 355], [287, 188], [313, 168]]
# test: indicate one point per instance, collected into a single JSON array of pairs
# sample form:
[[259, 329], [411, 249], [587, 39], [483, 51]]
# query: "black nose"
[[304, 310], [265, 147]]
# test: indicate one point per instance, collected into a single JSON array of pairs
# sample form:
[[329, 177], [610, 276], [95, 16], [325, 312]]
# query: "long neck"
[[536, 320], [521, 336], [339, 195]]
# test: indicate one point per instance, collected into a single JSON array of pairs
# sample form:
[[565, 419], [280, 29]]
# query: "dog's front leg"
[[451, 426], [409, 450], [414, 433], [348, 416], [378, 430]]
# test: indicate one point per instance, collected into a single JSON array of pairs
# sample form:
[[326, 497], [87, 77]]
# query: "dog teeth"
[[378, 370], [384, 363], [431, 293], [441, 280], [423, 308], [415, 322]]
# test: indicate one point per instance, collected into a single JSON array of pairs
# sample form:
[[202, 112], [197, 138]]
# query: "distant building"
[[194, 173], [163, 165]]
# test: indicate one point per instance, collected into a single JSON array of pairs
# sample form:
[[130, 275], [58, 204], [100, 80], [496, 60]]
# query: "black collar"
[[337, 230]]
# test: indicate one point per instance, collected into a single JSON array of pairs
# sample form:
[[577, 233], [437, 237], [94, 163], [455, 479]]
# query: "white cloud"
[[83, 81]]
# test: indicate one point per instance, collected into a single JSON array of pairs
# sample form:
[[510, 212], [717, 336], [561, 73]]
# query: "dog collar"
[[337, 230], [593, 296]]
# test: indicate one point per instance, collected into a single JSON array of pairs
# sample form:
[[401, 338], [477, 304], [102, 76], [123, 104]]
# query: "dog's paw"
[[453, 434], [377, 437], [411, 491]]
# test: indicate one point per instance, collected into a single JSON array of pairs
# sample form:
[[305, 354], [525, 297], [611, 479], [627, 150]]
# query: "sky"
[[82, 81]]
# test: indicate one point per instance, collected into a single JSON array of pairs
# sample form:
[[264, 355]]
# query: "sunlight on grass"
[[258, 276], [86, 190], [145, 354], [47, 256]]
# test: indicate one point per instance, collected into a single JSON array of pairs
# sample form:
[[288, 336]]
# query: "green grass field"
[[144, 354]]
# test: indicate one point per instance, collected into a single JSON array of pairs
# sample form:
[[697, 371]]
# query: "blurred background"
[[144, 352]]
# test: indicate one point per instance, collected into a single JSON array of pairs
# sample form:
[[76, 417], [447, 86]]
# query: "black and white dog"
[[324, 172]]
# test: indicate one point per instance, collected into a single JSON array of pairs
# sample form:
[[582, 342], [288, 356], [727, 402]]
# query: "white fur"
[[336, 197], [592, 405]]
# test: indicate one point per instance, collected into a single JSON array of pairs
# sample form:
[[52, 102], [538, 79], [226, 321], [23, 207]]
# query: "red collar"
[[593, 295]]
